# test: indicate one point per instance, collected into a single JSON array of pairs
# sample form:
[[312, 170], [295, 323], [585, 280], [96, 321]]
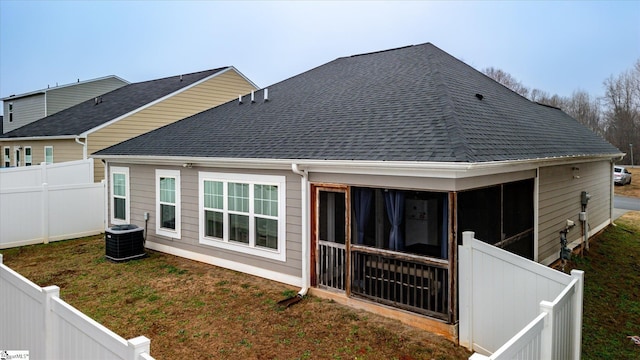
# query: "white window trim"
[[176, 233], [6, 156], [251, 249], [127, 203], [45, 154], [30, 162]]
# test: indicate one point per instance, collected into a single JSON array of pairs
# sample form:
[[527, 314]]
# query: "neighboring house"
[[118, 115], [357, 178], [22, 109]]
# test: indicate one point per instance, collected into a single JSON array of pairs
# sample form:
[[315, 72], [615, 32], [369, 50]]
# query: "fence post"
[[547, 336], [49, 292], [577, 313], [45, 213], [465, 288], [138, 345]]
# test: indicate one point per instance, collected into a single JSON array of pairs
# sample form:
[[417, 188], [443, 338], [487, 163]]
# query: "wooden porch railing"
[[410, 282]]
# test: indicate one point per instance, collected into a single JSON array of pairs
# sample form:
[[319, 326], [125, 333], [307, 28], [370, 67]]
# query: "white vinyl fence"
[[35, 319], [52, 202], [514, 308]]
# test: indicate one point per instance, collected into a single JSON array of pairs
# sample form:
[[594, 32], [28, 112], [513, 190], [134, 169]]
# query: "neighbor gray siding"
[[559, 200], [142, 189], [67, 96], [25, 110]]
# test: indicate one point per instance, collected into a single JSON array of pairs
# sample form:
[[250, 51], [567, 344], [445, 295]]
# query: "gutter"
[[306, 269], [84, 146]]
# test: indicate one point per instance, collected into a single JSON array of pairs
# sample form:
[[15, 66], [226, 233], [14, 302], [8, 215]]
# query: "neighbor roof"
[[415, 103], [89, 114]]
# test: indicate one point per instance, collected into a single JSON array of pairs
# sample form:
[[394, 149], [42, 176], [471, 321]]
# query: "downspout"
[[306, 270], [84, 147]]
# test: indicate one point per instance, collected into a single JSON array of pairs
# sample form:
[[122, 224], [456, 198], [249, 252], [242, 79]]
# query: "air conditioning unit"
[[124, 242]]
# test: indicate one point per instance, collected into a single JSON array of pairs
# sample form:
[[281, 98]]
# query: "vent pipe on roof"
[[253, 97], [180, 77], [266, 94], [239, 99], [479, 96]]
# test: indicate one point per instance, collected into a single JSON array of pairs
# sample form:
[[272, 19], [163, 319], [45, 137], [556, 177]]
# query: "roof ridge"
[[453, 125]]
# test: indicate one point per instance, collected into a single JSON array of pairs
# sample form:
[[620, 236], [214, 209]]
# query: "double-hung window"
[[7, 156], [244, 213], [27, 156], [48, 154], [120, 207], [168, 203]]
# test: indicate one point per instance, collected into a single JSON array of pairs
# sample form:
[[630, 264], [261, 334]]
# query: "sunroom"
[[396, 246]]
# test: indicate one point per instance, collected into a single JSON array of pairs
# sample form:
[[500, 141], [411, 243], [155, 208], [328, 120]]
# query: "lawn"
[[612, 291], [192, 310]]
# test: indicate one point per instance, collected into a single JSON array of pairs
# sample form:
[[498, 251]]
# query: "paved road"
[[626, 203]]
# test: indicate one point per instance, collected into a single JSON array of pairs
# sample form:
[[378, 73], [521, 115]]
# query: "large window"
[[244, 213], [400, 220], [48, 154], [120, 195], [7, 156], [28, 159], [168, 203]]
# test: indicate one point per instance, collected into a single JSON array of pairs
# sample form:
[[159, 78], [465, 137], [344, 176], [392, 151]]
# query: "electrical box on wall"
[[584, 197]]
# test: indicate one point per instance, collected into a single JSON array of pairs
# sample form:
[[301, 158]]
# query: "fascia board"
[[110, 122], [39, 138], [446, 170]]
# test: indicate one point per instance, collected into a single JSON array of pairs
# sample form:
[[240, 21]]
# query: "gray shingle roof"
[[87, 115], [416, 103]]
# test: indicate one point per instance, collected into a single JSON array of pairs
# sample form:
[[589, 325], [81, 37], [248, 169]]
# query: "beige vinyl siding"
[[559, 200], [25, 110], [208, 94], [63, 150], [68, 96], [143, 197]]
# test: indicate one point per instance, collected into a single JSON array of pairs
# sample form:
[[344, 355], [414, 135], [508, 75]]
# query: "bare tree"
[[586, 110], [622, 101], [507, 80]]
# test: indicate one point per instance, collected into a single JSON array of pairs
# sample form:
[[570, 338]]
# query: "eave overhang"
[[445, 170]]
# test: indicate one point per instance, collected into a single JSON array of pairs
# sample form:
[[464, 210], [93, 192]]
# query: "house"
[[357, 178], [22, 109], [120, 114]]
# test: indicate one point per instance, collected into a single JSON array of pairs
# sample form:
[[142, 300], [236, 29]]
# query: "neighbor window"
[[120, 195], [27, 156], [10, 112], [7, 156], [243, 213], [48, 154], [168, 203]]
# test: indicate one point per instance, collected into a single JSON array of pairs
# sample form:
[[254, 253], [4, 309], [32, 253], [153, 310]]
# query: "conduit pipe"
[[306, 270]]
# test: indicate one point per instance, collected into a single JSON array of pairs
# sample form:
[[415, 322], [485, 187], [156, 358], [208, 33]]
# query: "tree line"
[[614, 116]]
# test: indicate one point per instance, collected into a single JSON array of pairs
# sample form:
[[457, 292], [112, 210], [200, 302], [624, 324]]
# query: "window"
[[48, 154], [400, 220], [168, 203], [17, 155], [120, 195], [27, 156], [11, 112], [244, 213], [7, 156]]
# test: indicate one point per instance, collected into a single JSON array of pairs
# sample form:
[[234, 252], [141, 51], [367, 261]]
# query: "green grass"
[[612, 293]]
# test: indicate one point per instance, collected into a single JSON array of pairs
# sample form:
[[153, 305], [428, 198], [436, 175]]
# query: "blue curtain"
[[362, 198], [394, 204]]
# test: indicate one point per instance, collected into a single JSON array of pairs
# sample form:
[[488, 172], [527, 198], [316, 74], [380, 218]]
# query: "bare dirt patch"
[[198, 311]]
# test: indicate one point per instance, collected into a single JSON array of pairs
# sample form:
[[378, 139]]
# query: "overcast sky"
[[554, 46]]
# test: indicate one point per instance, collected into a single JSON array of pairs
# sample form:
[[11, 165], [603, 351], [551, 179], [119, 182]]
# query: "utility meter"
[[584, 197]]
